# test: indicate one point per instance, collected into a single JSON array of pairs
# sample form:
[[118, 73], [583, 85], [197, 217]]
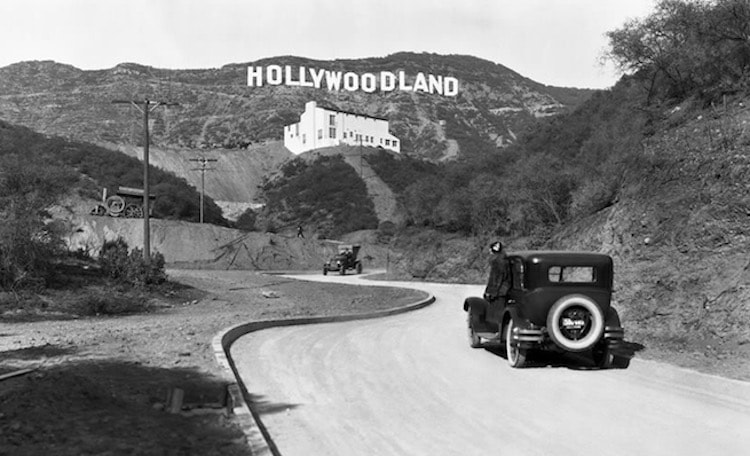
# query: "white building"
[[324, 127]]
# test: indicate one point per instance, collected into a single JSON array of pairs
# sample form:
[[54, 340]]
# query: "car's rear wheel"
[[474, 340], [516, 355], [325, 270], [575, 323]]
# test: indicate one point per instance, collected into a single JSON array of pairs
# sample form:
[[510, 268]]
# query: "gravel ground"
[[101, 384]]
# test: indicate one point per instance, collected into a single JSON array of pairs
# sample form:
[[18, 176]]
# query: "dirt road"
[[410, 385]]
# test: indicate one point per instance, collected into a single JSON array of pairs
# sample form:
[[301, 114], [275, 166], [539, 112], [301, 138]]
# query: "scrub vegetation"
[[326, 193]]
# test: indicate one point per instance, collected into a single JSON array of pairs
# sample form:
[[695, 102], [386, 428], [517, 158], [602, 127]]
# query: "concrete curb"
[[258, 438]]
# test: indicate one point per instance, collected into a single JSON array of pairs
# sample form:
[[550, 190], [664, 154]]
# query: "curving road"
[[410, 385]]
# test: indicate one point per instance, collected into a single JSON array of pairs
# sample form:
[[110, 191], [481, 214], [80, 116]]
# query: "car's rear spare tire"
[[575, 323]]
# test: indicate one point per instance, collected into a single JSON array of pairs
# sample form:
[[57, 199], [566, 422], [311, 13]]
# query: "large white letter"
[[450, 86], [274, 75], [288, 77], [317, 76], [369, 83], [402, 82], [387, 81], [351, 82], [333, 79], [254, 76], [420, 83], [436, 84], [303, 78]]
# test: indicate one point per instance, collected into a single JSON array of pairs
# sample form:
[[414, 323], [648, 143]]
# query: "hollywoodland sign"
[[384, 81]]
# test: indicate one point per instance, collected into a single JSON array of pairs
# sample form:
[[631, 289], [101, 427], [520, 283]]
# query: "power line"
[[203, 168], [145, 107]]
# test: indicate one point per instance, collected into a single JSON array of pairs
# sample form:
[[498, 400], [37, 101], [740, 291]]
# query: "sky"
[[554, 42]]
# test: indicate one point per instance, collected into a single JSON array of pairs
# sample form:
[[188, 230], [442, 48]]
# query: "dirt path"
[[386, 207], [101, 383]]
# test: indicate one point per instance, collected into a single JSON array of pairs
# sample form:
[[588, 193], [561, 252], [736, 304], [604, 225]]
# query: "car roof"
[[562, 257]]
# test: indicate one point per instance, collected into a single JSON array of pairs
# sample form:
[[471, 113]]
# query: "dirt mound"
[[213, 247]]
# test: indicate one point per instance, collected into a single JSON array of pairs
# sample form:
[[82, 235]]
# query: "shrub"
[[27, 243], [246, 221], [327, 193], [129, 268]]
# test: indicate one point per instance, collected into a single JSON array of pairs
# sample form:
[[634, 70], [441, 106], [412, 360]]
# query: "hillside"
[[94, 169], [674, 216], [217, 110], [233, 177], [679, 235]]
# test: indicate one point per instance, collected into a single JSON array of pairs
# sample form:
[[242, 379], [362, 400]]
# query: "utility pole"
[[361, 172], [145, 107], [204, 163]]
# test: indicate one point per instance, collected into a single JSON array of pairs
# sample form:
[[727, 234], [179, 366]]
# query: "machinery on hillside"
[[127, 202]]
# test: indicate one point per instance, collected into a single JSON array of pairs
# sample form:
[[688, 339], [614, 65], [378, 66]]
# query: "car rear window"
[[577, 274]]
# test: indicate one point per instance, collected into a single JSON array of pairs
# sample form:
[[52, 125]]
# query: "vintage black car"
[[345, 259], [557, 301]]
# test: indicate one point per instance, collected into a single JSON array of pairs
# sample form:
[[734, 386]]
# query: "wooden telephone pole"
[[203, 168], [145, 107]]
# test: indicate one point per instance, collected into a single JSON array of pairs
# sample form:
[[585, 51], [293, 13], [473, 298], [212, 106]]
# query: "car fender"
[[477, 305], [514, 313], [613, 318]]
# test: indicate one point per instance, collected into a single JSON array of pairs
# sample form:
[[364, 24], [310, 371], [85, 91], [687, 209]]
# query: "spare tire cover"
[[575, 323]]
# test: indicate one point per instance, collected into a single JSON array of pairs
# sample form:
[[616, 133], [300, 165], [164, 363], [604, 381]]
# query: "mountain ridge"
[[219, 110]]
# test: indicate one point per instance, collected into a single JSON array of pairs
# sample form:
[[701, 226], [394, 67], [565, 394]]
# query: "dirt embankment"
[[234, 176], [102, 384], [206, 246]]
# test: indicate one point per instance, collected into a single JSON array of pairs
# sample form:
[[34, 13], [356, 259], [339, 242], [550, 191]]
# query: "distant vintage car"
[[558, 301], [345, 259]]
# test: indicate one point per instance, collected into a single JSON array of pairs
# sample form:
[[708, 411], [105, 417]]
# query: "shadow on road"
[[574, 361]]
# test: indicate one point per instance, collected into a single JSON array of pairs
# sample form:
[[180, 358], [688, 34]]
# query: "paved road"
[[410, 385]]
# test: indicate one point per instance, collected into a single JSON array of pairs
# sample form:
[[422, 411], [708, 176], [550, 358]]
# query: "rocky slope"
[[233, 176]]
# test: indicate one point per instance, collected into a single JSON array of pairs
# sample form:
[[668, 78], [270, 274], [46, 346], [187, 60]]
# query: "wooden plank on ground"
[[15, 373]]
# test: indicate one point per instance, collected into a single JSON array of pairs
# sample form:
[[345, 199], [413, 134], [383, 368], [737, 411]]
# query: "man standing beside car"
[[498, 283]]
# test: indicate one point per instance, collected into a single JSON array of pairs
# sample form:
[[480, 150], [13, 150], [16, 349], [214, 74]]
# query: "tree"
[[28, 186], [687, 47]]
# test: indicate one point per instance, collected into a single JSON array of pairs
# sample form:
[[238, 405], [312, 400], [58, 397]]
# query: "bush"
[[326, 193], [27, 242], [129, 268], [246, 221]]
